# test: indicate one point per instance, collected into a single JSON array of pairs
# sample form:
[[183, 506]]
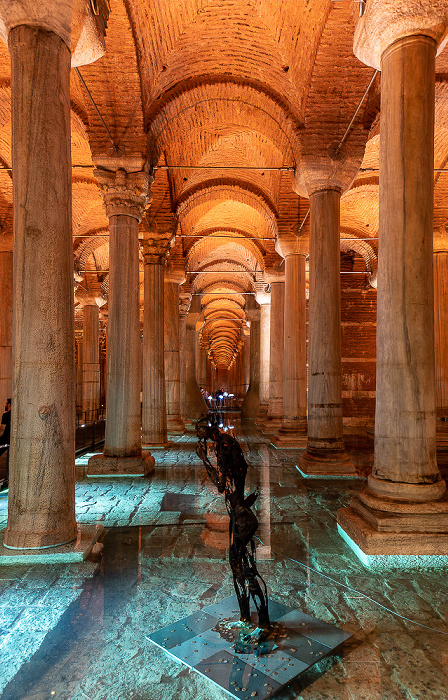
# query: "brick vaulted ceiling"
[[224, 100]]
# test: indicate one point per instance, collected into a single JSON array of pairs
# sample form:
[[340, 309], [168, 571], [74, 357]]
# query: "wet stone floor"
[[80, 631]]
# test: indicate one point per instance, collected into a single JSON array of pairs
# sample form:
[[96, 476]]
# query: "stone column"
[[246, 369], [5, 326], [79, 376], [202, 366], [195, 404], [263, 298], [175, 423], [292, 433], [184, 306], [251, 402], [325, 452], [90, 360], [156, 246], [404, 509], [275, 406], [441, 331], [125, 196]]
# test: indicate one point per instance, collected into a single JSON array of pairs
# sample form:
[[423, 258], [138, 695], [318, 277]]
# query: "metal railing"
[[90, 430]]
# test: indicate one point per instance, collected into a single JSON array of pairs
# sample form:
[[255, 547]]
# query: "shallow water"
[[165, 557]]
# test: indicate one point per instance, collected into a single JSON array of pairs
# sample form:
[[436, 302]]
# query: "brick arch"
[[366, 251]]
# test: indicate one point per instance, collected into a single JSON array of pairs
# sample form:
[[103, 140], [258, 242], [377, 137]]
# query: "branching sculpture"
[[229, 476]]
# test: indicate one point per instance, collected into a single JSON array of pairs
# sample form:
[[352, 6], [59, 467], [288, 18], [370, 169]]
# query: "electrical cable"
[[355, 590]]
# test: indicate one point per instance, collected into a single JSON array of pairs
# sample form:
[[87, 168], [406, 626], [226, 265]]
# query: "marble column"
[[404, 509], [195, 403], [275, 406], [125, 196], [264, 299], [79, 376], [441, 331], [41, 507], [156, 246], [6, 264], [175, 423], [91, 361], [292, 433], [184, 305], [251, 401], [325, 453]]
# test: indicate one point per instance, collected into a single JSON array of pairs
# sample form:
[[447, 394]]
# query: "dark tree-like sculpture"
[[229, 476]]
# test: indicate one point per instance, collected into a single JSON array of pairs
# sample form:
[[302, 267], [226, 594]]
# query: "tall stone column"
[[292, 433], [91, 360], [195, 404], [251, 402], [173, 278], [5, 326], [404, 509], [156, 246], [246, 370], [184, 306], [41, 504], [441, 330], [275, 406], [125, 196], [263, 298], [325, 453], [202, 366], [79, 376]]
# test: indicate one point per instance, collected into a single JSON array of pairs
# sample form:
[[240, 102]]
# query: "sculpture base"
[[401, 541], [101, 465], [326, 463], [201, 642]]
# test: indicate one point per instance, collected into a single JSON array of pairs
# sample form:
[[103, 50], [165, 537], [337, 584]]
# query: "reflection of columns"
[[275, 408], [125, 197], [325, 447], [404, 509], [41, 497], [91, 361], [293, 431], [175, 423], [251, 402], [154, 424], [441, 330], [195, 404], [264, 504], [5, 326]]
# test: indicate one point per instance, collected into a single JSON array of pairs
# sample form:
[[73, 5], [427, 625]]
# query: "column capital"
[[86, 298], [292, 243], [81, 24], [386, 21], [175, 273], [124, 193], [156, 245]]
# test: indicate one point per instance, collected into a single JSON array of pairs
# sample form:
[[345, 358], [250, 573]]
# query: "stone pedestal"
[[292, 433], [325, 452], [404, 510], [275, 405], [41, 507]]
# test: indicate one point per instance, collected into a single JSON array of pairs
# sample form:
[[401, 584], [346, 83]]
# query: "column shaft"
[[172, 358], [275, 408], [41, 498], [265, 334], [123, 343], [441, 331], [91, 361], [154, 395], [251, 402], [6, 264]]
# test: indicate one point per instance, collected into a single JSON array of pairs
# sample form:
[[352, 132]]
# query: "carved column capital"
[[124, 193], [156, 246]]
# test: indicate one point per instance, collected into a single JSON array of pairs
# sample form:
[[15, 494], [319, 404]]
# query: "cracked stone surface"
[[72, 632]]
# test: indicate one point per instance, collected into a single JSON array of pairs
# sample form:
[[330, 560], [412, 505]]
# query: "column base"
[[102, 465], [80, 548], [175, 425], [271, 426], [290, 439], [326, 463], [406, 538], [261, 415]]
